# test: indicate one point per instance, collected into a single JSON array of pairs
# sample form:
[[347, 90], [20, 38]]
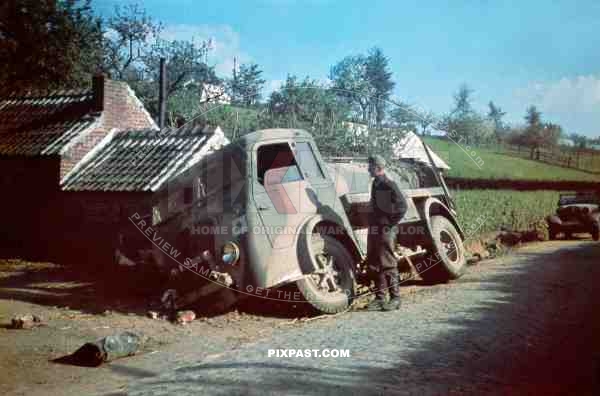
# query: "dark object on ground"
[[153, 315], [511, 238], [93, 354], [26, 321], [576, 213], [185, 317]]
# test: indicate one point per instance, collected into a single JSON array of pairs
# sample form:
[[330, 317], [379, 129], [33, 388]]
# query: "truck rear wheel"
[[330, 288], [447, 258]]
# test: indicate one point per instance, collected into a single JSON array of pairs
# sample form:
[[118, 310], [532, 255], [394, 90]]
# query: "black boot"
[[375, 305], [392, 305]]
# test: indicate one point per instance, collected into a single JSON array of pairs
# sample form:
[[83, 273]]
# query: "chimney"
[[162, 93], [98, 92]]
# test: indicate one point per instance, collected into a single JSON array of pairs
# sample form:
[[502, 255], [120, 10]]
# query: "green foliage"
[[365, 82], [464, 160], [129, 30], [484, 211], [404, 116], [246, 85], [380, 79], [186, 75], [495, 114], [47, 44], [464, 125]]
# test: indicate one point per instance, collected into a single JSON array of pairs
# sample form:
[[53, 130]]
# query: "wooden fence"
[[586, 160]]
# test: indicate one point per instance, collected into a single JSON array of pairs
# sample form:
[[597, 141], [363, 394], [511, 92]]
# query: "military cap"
[[377, 160]]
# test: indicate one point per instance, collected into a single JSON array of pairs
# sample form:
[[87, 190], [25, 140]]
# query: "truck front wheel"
[[330, 287], [447, 258]]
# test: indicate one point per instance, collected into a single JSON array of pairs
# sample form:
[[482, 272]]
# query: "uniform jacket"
[[388, 202]]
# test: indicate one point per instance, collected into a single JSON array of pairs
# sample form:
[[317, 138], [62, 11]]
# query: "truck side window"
[[277, 156], [308, 162]]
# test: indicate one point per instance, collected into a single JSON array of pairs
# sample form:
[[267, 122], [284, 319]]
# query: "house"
[[566, 142], [116, 179], [74, 164], [211, 93]]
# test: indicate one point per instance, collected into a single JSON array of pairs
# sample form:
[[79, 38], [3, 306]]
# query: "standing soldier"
[[388, 208]]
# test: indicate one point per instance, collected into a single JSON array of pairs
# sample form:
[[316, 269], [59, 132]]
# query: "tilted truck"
[[267, 211]]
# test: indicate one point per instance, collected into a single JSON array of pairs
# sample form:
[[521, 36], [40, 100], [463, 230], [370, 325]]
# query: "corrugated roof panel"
[[43, 125], [137, 160]]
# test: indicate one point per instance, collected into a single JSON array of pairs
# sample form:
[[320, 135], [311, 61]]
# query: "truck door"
[[289, 186]]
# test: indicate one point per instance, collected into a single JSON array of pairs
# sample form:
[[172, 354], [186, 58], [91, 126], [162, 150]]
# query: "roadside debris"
[[185, 317], [27, 321], [153, 315], [93, 354]]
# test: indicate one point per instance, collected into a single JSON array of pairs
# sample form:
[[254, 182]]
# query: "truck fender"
[[338, 230], [553, 219], [435, 206]]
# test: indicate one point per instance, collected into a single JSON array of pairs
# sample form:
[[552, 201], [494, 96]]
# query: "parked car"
[[576, 213]]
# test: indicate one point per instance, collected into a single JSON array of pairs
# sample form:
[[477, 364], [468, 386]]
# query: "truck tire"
[[331, 287], [552, 233], [447, 258], [596, 231]]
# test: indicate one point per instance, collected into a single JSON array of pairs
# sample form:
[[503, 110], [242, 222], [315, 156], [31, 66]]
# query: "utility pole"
[[162, 93]]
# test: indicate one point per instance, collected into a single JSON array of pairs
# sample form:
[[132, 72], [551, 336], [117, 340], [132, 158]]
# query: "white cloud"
[[575, 95], [226, 43], [572, 102]]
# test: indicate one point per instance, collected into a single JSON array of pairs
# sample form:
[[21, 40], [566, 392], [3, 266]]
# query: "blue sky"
[[539, 52]]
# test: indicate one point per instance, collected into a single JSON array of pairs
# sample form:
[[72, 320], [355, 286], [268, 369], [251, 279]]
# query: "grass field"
[[484, 211], [478, 163]]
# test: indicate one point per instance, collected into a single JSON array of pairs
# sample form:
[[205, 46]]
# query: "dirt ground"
[[78, 307]]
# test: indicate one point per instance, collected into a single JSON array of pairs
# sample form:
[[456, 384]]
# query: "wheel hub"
[[450, 246], [326, 276]]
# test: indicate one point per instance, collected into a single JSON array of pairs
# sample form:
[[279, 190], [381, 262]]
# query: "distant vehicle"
[[576, 213], [267, 210]]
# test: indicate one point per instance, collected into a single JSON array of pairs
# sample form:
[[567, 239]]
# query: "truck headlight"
[[230, 253]]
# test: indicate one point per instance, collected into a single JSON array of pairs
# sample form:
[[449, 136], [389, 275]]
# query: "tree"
[[464, 124], [404, 116], [550, 134], [533, 132], [495, 114], [186, 75], [314, 107], [380, 78], [579, 140], [133, 49], [127, 40], [462, 102], [247, 84], [425, 119], [46, 44], [349, 77], [365, 82]]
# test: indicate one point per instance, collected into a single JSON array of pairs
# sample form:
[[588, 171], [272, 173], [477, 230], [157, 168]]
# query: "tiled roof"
[[141, 160], [43, 124]]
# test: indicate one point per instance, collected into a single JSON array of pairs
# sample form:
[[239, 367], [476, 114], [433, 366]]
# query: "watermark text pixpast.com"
[[308, 353]]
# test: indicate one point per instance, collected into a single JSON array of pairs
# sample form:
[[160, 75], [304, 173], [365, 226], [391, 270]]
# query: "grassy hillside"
[[478, 163], [483, 211]]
